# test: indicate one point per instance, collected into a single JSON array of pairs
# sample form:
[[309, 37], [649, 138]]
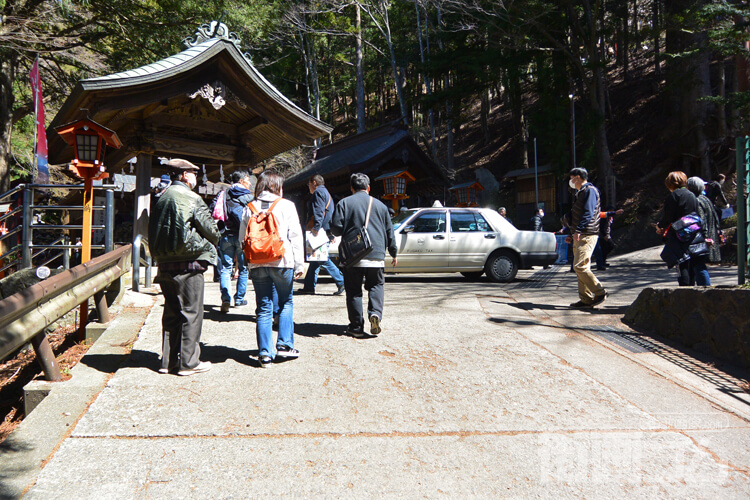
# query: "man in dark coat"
[[715, 194], [349, 218], [182, 236], [536, 221], [230, 247], [320, 210]]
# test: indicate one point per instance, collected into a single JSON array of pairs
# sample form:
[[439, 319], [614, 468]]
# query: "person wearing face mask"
[[536, 221], [584, 231], [182, 238]]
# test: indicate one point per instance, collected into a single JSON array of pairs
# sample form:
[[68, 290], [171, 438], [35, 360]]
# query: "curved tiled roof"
[[188, 59]]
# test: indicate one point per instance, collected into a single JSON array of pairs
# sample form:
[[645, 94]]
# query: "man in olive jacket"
[[349, 217], [182, 236]]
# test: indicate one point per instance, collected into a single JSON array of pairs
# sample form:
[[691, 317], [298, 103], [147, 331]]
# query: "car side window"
[[468, 221], [429, 222]]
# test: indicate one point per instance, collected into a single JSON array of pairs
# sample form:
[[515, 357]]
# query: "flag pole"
[[35, 85]]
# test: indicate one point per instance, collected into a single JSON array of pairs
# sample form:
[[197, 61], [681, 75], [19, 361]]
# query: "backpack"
[[233, 215], [262, 243]]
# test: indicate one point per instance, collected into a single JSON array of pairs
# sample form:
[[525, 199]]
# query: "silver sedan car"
[[471, 241]]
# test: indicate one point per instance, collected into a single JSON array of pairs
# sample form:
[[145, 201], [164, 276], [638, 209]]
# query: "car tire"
[[473, 276], [502, 266]]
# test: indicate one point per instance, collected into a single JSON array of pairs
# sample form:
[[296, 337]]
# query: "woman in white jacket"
[[277, 275]]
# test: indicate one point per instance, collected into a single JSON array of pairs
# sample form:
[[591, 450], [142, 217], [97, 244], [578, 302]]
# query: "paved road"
[[473, 389]]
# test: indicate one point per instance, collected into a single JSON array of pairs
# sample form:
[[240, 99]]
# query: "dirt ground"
[[18, 371]]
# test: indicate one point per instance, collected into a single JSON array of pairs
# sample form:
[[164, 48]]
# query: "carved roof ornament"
[[218, 95], [206, 32]]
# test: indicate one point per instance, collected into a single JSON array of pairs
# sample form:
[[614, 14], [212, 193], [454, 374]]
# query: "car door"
[[471, 240], [424, 243]]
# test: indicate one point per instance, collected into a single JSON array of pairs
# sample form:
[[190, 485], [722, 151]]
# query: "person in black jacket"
[[348, 218], [230, 247], [536, 221], [715, 194], [320, 210], [678, 204]]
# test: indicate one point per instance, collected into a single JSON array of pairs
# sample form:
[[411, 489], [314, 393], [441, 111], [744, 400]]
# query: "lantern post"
[[89, 141]]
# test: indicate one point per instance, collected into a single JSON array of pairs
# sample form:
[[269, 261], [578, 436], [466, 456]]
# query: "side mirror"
[[408, 229]]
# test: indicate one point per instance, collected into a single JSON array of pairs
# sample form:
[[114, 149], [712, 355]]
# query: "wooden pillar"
[[88, 203], [142, 197]]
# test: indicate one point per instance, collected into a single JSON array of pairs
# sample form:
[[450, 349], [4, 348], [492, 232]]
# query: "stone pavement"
[[473, 389]]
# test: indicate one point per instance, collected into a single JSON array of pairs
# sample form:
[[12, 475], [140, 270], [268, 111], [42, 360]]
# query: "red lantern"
[[89, 141], [394, 186], [466, 194]]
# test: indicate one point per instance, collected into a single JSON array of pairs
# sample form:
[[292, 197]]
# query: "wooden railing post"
[[46, 357]]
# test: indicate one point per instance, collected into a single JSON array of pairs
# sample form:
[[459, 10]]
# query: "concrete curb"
[[27, 449]]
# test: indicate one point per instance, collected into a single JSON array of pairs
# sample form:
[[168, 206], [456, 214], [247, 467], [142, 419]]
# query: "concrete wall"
[[715, 321]]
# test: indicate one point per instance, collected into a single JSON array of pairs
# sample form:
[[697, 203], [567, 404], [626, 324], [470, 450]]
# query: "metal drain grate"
[[538, 279], [622, 338]]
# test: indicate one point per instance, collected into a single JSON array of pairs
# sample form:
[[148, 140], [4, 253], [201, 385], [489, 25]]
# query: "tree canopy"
[[433, 64]]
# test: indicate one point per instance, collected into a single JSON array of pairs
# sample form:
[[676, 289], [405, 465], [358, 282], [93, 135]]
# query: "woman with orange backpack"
[[273, 246]]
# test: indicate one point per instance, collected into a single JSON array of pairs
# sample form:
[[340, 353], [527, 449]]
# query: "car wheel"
[[473, 276], [502, 266]]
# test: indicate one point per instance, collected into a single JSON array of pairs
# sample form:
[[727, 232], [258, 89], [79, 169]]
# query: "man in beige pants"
[[584, 229]]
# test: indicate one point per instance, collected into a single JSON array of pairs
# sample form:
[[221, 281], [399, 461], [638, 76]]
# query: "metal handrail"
[[63, 226], [29, 312], [96, 247], [137, 242], [65, 207], [28, 229], [54, 244], [10, 252], [11, 264], [11, 233], [12, 191], [10, 214], [68, 186]]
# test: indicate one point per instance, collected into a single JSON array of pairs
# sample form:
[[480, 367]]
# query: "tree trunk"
[[625, 44], [689, 77], [485, 117], [656, 29], [598, 105], [394, 65], [361, 127], [427, 83], [450, 163], [721, 109], [7, 76], [524, 140]]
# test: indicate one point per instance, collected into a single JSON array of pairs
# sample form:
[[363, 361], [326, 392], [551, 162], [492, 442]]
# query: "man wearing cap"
[[182, 236]]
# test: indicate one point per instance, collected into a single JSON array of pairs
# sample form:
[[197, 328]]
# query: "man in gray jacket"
[[182, 236], [348, 218]]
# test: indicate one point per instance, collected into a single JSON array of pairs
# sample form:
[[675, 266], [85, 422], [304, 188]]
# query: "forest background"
[[629, 89]]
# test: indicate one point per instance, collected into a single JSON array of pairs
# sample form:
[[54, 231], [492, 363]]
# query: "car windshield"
[[401, 217]]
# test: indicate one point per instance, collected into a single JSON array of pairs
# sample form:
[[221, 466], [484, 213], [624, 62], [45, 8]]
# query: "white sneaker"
[[203, 366]]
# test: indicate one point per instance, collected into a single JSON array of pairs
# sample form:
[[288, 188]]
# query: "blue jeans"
[[599, 255], [311, 278], [698, 272], [265, 280], [231, 246]]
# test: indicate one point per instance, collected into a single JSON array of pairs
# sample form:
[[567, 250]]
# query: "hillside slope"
[[638, 128]]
